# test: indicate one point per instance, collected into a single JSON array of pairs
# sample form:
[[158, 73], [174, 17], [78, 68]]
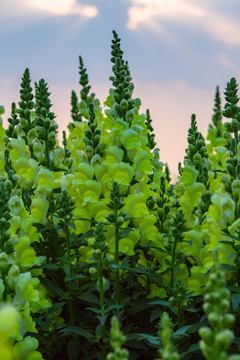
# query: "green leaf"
[[137, 270], [235, 301], [154, 247], [111, 307], [102, 318], [89, 297], [53, 288], [49, 266], [228, 267], [98, 332], [71, 225], [182, 331], [95, 310], [73, 349], [76, 277], [76, 330], [151, 339], [124, 233], [192, 350], [55, 307]]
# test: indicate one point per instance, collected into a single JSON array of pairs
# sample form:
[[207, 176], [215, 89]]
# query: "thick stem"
[[47, 149], [173, 263], [101, 291], [117, 263], [70, 305]]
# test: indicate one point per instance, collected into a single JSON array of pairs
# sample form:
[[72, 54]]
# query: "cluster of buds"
[[92, 137], [178, 301], [64, 206], [85, 83], [232, 111], [5, 215], [45, 127], [217, 338], [12, 177], [197, 152], [124, 106], [166, 351], [116, 204], [100, 247], [151, 143], [11, 132], [117, 340], [161, 206], [67, 153], [26, 104]]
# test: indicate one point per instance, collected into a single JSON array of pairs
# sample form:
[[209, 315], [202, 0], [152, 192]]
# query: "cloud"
[[149, 13], [38, 8], [143, 11], [61, 7]]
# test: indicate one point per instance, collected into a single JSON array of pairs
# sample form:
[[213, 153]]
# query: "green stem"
[[173, 263], [71, 307], [101, 291], [117, 263], [47, 149]]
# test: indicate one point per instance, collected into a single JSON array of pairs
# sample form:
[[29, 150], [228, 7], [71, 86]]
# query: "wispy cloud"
[[143, 11], [61, 7], [15, 8], [204, 17]]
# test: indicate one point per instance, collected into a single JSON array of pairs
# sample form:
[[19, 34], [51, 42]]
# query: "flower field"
[[101, 257]]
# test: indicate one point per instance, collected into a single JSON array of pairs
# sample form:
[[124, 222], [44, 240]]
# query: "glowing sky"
[[178, 52]]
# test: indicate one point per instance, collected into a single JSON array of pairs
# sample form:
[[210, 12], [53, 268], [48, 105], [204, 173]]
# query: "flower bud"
[[224, 339], [3, 260], [93, 271], [47, 123], [228, 320], [235, 125], [230, 169], [120, 221], [197, 159], [52, 136], [129, 116], [207, 335], [124, 105], [236, 186]]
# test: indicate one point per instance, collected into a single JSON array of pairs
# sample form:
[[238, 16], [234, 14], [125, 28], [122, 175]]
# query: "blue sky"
[[178, 52]]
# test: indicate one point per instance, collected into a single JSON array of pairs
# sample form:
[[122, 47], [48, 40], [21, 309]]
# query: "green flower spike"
[[11, 132], [92, 137], [151, 143], [85, 83], [217, 338], [26, 104], [117, 219], [44, 121], [5, 215], [231, 111], [178, 233], [165, 334], [197, 152], [217, 116], [117, 340], [75, 112], [122, 94], [13, 179]]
